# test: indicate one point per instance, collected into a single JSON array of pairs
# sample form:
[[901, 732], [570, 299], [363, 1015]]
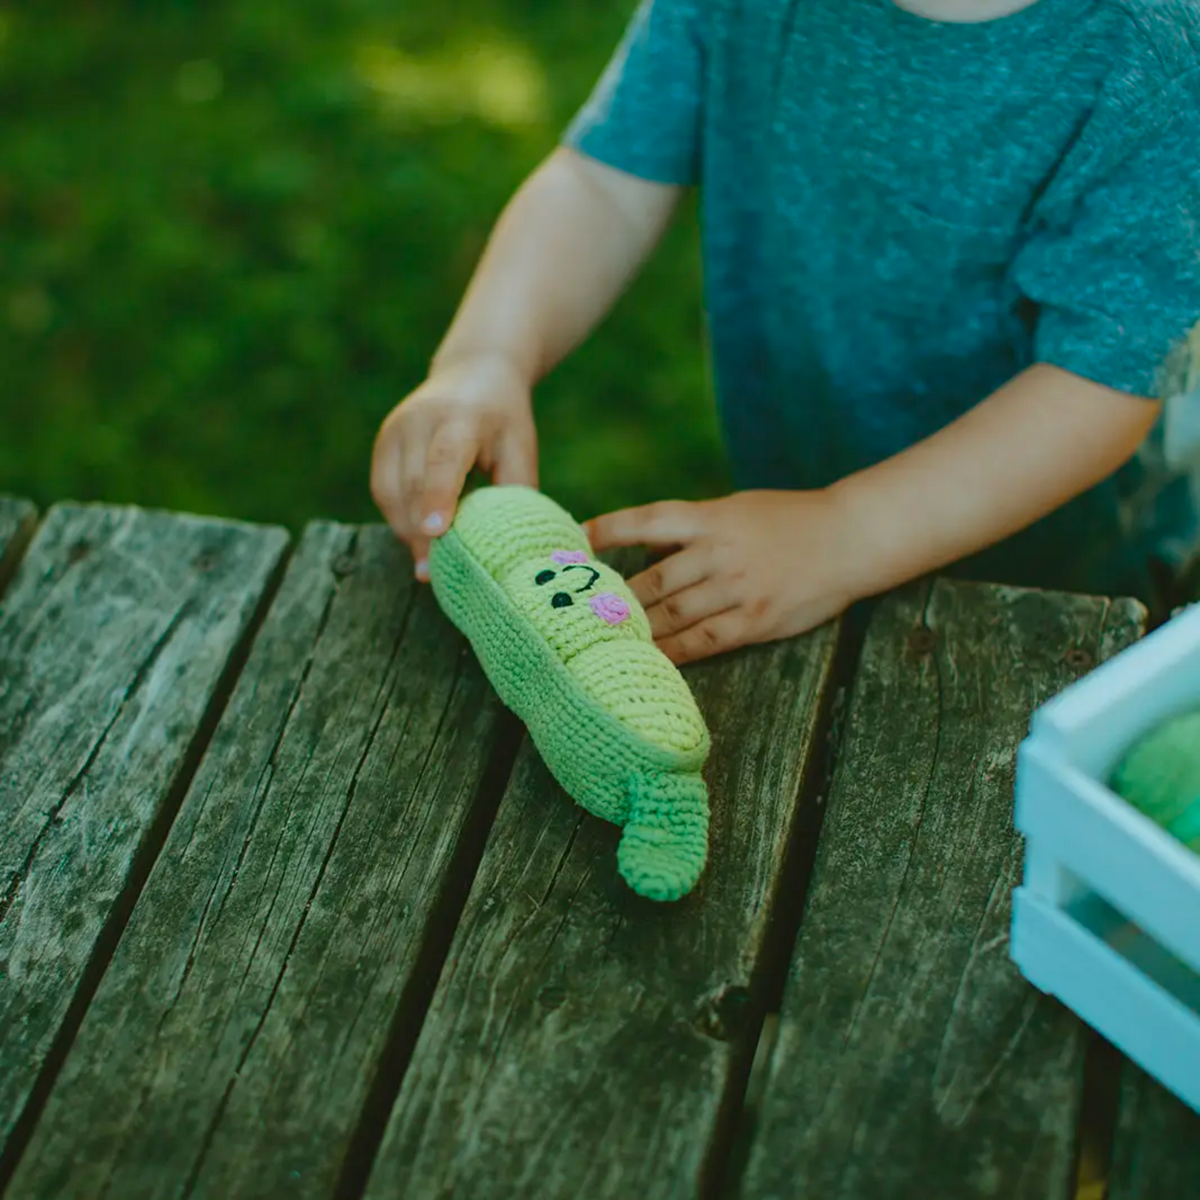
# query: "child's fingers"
[[413, 453], [671, 522], [451, 455], [664, 579], [691, 606], [420, 553], [714, 635], [516, 459], [390, 480]]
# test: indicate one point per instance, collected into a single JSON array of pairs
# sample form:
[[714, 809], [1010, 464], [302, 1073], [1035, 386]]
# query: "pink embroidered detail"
[[609, 608], [562, 557]]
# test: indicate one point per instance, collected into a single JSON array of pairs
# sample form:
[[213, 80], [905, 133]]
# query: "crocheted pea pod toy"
[[1160, 776], [568, 648]]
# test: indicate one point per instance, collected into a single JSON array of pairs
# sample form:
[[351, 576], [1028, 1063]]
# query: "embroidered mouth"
[[564, 599]]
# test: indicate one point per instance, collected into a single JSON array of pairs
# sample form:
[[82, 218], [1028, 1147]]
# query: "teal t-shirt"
[[899, 215]]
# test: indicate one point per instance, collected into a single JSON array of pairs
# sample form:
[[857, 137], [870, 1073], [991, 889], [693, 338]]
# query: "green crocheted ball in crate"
[[1160, 777], [568, 648]]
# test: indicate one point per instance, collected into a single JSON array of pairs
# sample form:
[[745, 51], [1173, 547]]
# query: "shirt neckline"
[[1038, 17]]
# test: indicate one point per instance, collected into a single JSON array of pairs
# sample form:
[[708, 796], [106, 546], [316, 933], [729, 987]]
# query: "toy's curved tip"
[[664, 847], [656, 870]]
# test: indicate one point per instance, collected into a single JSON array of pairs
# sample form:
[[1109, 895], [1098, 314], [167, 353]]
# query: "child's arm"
[[564, 249], [1038, 442], [566, 246], [761, 565]]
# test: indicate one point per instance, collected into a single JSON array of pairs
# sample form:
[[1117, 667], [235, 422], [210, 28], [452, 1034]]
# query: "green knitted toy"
[[1160, 776], [568, 648]]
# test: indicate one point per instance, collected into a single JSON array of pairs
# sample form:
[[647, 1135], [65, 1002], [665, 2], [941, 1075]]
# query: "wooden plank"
[[285, 945], [18, 518], [118, 638], [1156, 1154], [583, 1041], [912, 1059]]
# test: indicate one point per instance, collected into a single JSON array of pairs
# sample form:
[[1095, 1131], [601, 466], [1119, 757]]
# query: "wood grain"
[[116, 639], [18, 519], [586, 1042], [288, 938], [912, 1059], [1156, 1153]]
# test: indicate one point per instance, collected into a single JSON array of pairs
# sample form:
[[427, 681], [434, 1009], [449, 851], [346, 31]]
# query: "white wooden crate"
[[1108, 915]]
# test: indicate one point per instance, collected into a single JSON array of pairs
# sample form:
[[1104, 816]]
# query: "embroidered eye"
[[544, 577], [561, 600]]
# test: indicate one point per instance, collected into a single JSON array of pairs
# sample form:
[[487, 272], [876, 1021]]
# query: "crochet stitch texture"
[[568, 648], [1160, 776]]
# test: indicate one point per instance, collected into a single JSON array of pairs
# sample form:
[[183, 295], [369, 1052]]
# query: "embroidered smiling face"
[[575, 601], [568, 590]]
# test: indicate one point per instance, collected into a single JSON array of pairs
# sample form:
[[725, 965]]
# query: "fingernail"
[[423, 569], [434, 523]]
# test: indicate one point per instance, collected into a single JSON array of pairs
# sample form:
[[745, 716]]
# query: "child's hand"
[[749, 568], [474, 411]]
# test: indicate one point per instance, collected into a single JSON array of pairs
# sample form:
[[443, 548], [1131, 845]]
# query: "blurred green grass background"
[[233, 233]]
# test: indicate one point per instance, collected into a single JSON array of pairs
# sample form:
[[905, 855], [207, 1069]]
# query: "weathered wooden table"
[[289, 907]]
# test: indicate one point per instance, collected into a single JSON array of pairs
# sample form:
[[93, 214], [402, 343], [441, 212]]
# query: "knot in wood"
[[723, 1015], [552, 996], [921, 642]]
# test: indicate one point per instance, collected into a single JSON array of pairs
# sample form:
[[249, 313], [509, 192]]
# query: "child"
[[952, 250]]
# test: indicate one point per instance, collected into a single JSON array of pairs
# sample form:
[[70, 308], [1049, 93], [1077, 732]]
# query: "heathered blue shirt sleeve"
[[1118, 284], [644, 115]]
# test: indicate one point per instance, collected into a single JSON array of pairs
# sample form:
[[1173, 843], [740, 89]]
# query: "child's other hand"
[[472, 411], [751, 567]]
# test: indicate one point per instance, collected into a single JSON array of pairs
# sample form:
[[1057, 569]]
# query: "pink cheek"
[[612, 610], [563, 557]]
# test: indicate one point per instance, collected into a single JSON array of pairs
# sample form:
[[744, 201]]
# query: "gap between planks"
[[18, 523], [571, 1006], [871, 966], [768, 981], [152, 840], [280, 910]]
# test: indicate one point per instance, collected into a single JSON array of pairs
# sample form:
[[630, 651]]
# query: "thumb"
[[671, 523]]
